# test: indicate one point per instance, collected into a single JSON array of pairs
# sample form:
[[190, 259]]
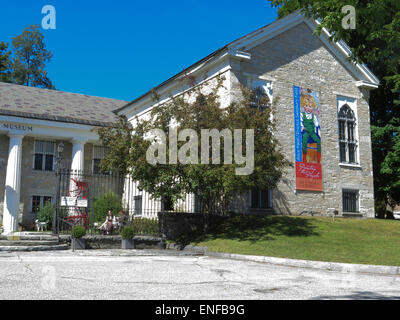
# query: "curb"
[[320, 265], [195, 249], [329, 266], [34, 248], [28, 237]]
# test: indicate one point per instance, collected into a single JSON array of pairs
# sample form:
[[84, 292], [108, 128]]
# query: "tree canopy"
[[5, 63], [213, 182], [31, 57], [26, 63]]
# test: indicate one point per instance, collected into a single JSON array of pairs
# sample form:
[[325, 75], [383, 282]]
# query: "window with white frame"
[[39, 202], [347, 127], [260, 199], [99, 153], [44, 155]]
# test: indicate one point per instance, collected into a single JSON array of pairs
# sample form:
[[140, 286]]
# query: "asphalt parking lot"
[[151, 274]]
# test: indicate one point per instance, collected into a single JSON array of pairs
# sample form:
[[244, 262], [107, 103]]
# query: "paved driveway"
[[146, 274]]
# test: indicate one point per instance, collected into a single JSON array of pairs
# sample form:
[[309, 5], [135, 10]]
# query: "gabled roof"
[[54, 105], [238, 47], [340, 49]]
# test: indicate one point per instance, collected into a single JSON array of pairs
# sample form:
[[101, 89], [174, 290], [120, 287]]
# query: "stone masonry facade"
[[297, 57]]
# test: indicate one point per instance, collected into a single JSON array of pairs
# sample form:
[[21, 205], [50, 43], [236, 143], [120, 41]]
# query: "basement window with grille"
[[350, 200], [260, 199]]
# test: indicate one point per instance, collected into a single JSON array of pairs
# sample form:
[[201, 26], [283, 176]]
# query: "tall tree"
[[212, 183], [5, 63], [31, 57], [376, 42]]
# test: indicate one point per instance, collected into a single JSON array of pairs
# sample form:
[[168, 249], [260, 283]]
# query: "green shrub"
[[78, 232], [108, 201], [63, 212], [45, 213], [143, 226], [127, 233]]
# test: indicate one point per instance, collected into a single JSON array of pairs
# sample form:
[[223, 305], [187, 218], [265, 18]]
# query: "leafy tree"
[[213, 184], [376, 42], [5, 63], [31, 57]]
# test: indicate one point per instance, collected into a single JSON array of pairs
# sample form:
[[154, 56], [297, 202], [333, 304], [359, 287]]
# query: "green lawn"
[[369, 241]]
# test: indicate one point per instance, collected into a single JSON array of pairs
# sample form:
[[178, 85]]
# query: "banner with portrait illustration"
[[307, 139]]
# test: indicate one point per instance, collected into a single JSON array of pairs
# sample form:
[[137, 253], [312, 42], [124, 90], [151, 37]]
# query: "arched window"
[[347, 137], [261, 93], [259, 99]]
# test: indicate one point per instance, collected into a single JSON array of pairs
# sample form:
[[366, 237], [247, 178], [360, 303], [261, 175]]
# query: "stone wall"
[[173, 225], [296, 57]]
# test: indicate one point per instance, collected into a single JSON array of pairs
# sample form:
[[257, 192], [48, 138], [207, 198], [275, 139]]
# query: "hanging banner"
[[307, 139]]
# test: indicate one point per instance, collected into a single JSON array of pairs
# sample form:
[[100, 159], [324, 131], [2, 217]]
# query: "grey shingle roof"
[[37, 103]]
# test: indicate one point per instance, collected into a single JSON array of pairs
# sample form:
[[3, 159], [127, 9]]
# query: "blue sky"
[[121, 49]]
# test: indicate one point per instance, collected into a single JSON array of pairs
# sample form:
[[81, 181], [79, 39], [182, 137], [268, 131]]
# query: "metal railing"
[[84, 198]]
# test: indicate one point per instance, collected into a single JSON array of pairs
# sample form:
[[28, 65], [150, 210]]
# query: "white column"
[[78, 153], [77, 164], [13, 184]]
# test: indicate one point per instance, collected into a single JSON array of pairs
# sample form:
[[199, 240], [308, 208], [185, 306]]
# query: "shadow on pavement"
[[360, 295]]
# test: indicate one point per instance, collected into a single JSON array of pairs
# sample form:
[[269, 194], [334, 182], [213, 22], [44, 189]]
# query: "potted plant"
[[77, 241], [127, 238]]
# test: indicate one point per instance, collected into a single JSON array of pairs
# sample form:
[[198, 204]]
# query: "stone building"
[[33, 122], [322, 118], [332, 163]]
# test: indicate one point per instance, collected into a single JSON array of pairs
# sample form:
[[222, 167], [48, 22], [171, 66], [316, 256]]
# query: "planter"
[[78, 244], [127, 244]]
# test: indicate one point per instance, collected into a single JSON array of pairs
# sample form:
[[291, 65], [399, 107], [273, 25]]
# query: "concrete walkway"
[[169, 274]]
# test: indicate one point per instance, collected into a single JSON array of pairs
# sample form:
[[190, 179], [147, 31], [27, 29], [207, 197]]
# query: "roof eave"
[[30, 115], [176, 76]]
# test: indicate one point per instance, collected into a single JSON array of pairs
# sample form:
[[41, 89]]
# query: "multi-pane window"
[[350, 200], [96, 165], [99, 153], [347, 137], [39, 202], [36, 203], [260, 199], [259, 99], [44, 155], [138, 205], [261, 93]]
